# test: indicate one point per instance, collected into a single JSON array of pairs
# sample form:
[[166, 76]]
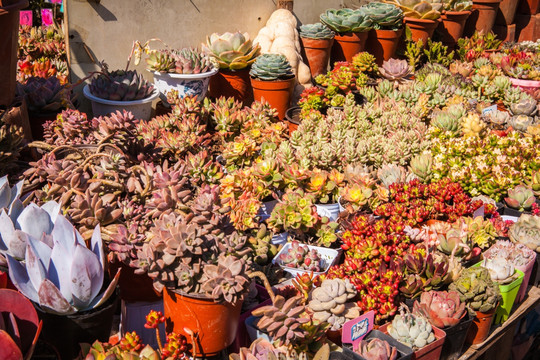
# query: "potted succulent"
[[351, 28], [482, 297], [454, 16], [273, 80], [395, 70], [378, 345], [387, 29], [234, 53], [421, 16], [483, 16], [521, 69], [520, 199], [317, 40]]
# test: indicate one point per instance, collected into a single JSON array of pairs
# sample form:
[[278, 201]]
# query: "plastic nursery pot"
[[214, 324], [347, 45], [185, 84], [141, 109], [431, 351], [480, 326], [508, 294], [421, 29], [404, 351], [317, 54], [334, 336], [65, 332], [331, 211], [383, 43], [9, 43], [482, 17], [37, 121], [507, 12], [277, 93], [133, 287], [293, 118], [528, 86], [452, 25], [232, 83], [242, 338], [527, 271], [132, 317], [455, 338]]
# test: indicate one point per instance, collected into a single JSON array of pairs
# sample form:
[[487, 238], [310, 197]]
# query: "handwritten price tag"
[[46, 17], [26, 18], [355, 330]]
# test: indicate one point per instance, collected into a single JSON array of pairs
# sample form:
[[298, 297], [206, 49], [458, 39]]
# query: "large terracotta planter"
[[9, 30], [317, 54], [277, 93], [421, 29], [528, 6], [452, 26], [482, 17], [479, 330], [347, 45], [232, 83], [507, 12], [214, 324], [383, 43]]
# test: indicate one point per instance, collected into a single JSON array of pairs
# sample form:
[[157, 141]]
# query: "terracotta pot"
[[507, 12], [316, 54], [293, 118], [528, 6], [479, 330], [277, 93], [37, 120], [347, 45], [383, 43], [334, 336], [452, 26], [9, 28], [421, 29], [232, 83], [214, 324], [482, 17], [133, 287]]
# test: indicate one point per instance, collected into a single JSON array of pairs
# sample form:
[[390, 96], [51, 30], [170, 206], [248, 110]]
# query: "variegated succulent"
[[233, 51]]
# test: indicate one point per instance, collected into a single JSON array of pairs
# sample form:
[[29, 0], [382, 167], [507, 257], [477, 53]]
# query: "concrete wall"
[[107, 28]]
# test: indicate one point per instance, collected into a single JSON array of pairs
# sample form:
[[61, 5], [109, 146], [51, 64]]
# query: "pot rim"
[[13, 7], [421, 21], [91, 97], [274, 81], [456, 13], [185, 76], [308, 38]]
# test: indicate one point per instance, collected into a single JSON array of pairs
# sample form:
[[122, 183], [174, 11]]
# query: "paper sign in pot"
[[355, 330]]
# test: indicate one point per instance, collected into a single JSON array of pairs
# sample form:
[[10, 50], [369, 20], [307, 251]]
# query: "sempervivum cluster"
[[184, 61], [120, 85]]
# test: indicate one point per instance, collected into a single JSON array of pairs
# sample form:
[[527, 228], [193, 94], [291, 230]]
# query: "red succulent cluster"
[[131, 342], [153, 319], [176, 347]]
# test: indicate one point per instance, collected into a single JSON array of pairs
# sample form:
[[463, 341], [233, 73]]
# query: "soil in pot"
[[421, 29], [347, 45], [383, 43], [232, 83], [451, 26], [277, 93], [316, 53]]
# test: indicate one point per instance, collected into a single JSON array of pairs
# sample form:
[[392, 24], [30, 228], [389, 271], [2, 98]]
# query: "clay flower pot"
[[479, 330], [214, 324], [507, 12], [452, 26], [421, 29], [232, 83], [317, 54], [277, 93], [293, 118], [347, 45], [482, 17], [383, 43]]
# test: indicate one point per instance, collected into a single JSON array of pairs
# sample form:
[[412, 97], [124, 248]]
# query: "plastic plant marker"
[[355, 330]]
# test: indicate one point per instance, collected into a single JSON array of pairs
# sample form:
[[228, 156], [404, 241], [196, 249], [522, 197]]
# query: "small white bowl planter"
[[185, 84], [329, 257], [141, 109]]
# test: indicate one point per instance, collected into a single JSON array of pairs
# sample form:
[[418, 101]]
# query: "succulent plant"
[[477, 290], [526, 231], [233, 51], [520, 197], [376, 349], [9, 195], [497, 119], [269, 67], [226, 280], [394, 69], [453, 239], [441, 308], [390, 174], [501, 270], [347, 20], [295, 212], [481, 231], [422, 273], [59, 273], [364, 62], [317, 31], [120, 85], [161, 61], [527, 106], [45, 94], [190, 61], [330, 302], [384, 16], [472, 125], [301, 257], [421, 167], [534, 182], [457, 5], [410, 329], [419, 9]]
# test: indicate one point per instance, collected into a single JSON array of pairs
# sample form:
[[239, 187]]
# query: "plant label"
[[26, 18], [489, 109], [46, 17], [355, 330]]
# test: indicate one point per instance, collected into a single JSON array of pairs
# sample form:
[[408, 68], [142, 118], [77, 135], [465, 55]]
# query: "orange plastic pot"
[[421, 29], [479, 330], [277, 93], [133, 287], [214, 324], [232, 83], [452, 25], [482, 17], [507, 12], [347, 45], [317, 54], [383, 43]]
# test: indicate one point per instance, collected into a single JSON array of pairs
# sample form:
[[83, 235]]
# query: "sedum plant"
[[412, 330], [384, 16], [316, 31], [521, 198], [270, 67], [477, 290], [419, 9], [347, 20], [441, 308], [233, 51], [299, 256], [120, 85]]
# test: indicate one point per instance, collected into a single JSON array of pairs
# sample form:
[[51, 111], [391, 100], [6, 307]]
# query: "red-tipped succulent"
[[441, 308]]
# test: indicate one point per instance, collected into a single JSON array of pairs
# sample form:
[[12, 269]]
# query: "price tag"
[[489, 109], [355, 330], [479, 212], [46, 17], [26, 18]]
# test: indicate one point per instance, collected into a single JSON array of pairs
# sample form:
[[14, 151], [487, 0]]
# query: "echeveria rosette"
[[269, 67], [384, 16], [520, 197], [233, 51], [347, 20], [59, 273], [419, 9], [457, 5], [441, 308], [316, 31]]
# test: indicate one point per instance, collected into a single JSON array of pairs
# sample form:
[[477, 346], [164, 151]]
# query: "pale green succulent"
[[347, 20], [457, 5], [412, 330], [270, 67], [317, 31], [384, 16], [419, 9], [233, 51]]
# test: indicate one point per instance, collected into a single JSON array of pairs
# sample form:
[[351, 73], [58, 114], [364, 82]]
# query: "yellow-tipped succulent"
[[471, 125]]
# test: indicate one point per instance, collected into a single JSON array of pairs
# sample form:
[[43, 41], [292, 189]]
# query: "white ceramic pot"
[[185, 84], [141, 109]]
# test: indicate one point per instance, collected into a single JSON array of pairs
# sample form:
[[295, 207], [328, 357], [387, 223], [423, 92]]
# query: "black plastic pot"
[[65, 332], [455, 338], [508, 211], [404, 351], [336, 355]]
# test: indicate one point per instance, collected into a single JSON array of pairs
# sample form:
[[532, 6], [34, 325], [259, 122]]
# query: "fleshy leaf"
[[15, 209], [64, 233], [51, 298], [34, 221], [19, 277], [86, 276], [10, 239], [34, 268], [104, 296], [96, 245], [60, 269], [53, 209]]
